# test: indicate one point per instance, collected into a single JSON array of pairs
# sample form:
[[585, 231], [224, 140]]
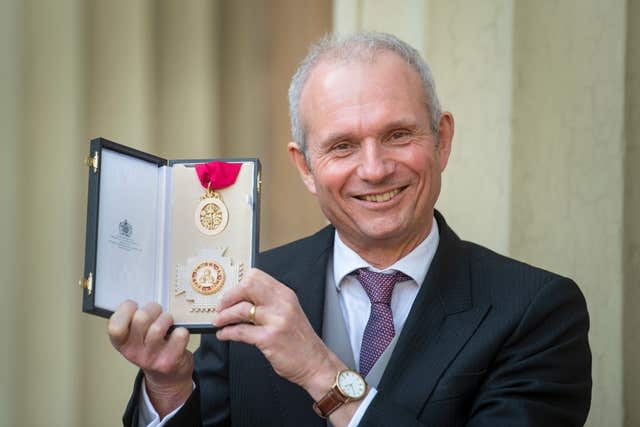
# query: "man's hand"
[[282, 332], [140, 336]]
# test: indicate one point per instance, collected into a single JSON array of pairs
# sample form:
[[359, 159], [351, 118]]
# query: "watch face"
[[351, 384]]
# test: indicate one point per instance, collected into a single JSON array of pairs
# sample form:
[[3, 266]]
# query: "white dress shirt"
[[355, 306]]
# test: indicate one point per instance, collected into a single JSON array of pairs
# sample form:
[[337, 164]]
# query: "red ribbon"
[[218, 175]]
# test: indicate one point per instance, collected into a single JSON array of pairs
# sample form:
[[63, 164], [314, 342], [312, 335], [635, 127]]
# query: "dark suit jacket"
[[489, 341]]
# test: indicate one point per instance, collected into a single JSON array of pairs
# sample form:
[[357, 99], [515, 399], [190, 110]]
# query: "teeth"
[[381, 197]]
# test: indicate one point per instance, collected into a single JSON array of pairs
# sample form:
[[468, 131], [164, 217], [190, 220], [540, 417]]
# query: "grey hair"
[[358, 46]]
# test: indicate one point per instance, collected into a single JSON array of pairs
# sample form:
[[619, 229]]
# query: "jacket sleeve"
[[541, 375], [211, 379]]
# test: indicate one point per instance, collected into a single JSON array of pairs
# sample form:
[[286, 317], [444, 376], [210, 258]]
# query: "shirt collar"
[[415, 264]]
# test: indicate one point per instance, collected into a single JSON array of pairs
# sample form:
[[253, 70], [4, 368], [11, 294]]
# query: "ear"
[[299, 160], [446, 128]]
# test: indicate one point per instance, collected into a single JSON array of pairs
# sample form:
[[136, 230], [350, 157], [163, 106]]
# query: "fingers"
[[274, 305], [155, 337], [256, 289], [140, 335], [177, 343], [281, 330], [255, 286], [119, 322], [242, 332], [141, 321], [172, 355], [238, 313]]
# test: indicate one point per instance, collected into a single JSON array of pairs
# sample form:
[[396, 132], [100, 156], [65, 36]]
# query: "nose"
[[375, 163]]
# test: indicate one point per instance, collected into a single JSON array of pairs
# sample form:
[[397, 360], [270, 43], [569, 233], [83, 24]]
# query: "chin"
[[381, 233]]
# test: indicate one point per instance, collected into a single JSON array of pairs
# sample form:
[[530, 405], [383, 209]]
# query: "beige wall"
[[545, 159], [546, 97], [568, 156]]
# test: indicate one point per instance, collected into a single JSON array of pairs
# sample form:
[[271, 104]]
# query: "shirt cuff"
[[355, 420], [148, 416]]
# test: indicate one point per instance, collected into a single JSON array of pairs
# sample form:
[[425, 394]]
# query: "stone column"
[[470, 47], [631, 227], [291, 211], [11, 14], [405, 19], [120, 106], [121, 75], [186, 87], [243, 90], [263, 43], [50, 176], [568, 156]]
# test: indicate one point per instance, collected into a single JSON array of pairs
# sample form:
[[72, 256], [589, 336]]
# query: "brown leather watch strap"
[[329, 403]]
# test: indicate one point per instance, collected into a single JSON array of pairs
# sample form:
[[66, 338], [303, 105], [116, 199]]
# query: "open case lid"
[[131, 234]]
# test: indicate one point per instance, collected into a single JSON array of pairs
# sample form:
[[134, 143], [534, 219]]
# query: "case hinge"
[[92, 162], [259, 182], [87, 283]]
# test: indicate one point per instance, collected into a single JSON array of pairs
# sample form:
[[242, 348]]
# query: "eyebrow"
[[405, 123], [334, 137]]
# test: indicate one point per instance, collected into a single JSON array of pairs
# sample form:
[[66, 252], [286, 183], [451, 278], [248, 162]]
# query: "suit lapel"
[[307, 279], [441, 321]]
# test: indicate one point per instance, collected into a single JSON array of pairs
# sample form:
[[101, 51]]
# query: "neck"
[[384, 253]]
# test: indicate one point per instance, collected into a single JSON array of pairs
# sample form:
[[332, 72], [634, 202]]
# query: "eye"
[[342, 147], [399, 135]]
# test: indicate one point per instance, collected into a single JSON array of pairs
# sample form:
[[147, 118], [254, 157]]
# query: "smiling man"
[[385, 317], [370, 153]]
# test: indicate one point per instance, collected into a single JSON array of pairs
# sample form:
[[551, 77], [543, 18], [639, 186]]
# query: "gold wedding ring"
[[252, 314]]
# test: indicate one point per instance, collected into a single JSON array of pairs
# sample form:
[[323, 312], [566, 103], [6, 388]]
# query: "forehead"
[[354, 95]]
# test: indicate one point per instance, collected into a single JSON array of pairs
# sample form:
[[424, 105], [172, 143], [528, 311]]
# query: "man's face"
[[374, 163]]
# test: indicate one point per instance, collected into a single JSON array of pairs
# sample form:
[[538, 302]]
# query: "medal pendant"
[[211, 215], [207, 277]]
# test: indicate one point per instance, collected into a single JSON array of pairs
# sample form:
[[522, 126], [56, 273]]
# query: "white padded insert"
[[128, 252]]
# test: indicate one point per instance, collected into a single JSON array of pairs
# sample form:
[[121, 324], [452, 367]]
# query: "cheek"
[[330, 187], [331, 177], [426, 172]]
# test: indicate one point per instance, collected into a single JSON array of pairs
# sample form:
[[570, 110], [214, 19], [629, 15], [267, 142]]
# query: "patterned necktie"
[[379, 331]]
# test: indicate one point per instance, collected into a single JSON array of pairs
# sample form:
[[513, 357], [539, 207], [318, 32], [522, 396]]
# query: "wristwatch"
[[349, 386]]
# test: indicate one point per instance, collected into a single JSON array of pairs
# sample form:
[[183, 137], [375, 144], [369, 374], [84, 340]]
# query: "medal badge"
[[204, 278], [211, 215]]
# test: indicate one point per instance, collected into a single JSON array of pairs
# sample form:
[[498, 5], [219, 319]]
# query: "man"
[[445, 332]]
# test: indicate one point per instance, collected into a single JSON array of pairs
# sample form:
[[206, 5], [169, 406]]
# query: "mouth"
[[381, 197]]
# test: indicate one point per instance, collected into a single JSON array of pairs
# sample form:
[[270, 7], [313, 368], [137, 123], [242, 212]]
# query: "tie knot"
[[379, 286]]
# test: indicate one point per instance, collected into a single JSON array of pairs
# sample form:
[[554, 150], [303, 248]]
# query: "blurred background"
[[545, 164]]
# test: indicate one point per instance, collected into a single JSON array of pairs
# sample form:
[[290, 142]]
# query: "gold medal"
[[204, 279], [207, 277], [211, 215]]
